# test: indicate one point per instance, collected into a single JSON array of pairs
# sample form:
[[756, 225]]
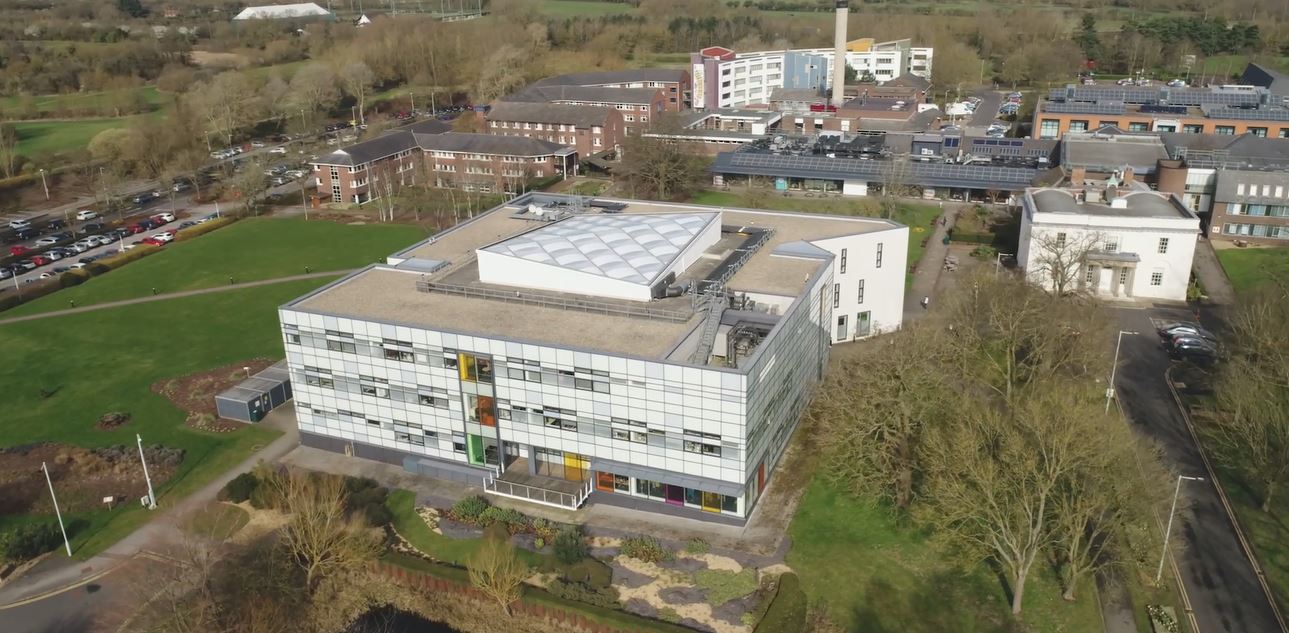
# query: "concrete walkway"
[[1211, 274], [930, 266], [59, 573], [172, 295]]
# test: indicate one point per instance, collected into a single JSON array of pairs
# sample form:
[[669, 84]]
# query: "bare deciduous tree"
[[224, 104], [497, 572], [357, 78], [895, 176], [992, 478], [1059, 259], [1250, 429], [320, 536], [8, 150], [877, 409]]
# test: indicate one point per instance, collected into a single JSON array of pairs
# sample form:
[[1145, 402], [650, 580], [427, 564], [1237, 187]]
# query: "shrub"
[[512, 519], [26, 542], [539, 543], [570, 547], [366, 498], [263, 497], [240, 488], [203, 228], [787, 612], [645, 548], [605, 597], [496, 532], [697, 546], [71, 278], [469, 509], [668, 614], [723, 586], [544, 529], [132, 255], [97, 268], [590, 572]]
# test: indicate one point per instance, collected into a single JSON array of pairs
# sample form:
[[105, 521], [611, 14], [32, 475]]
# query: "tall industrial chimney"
[[839, 54]]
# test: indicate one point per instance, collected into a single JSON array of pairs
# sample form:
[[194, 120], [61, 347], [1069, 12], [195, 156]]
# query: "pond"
[[387, 619]]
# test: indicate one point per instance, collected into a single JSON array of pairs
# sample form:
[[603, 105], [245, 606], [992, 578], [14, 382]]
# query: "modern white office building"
[[723, 78], [1110, 243], [558, 349]]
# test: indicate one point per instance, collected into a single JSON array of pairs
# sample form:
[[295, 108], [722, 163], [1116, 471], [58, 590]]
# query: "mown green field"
[[248, 250], [10, 105], [583, 8], [36, 138], [1249, 268], [62, 373]]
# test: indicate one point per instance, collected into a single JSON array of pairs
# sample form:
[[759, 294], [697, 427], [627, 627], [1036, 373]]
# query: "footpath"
[[171, 295], [928, 270]]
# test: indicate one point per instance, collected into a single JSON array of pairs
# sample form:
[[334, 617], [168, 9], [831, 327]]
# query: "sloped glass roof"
[[634, 248]]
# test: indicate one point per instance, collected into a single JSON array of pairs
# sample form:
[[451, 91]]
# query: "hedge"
[[787, 612], [533, 596], [203, 228]]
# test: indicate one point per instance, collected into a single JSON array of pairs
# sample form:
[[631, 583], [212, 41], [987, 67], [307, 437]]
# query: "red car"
[[152, 241], [18, 250], [41, 260], [135, 229]]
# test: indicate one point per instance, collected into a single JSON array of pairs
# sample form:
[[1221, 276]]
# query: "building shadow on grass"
[[942, 602]]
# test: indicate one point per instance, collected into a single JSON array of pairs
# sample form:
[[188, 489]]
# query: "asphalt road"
[[1219, 579], [94, 607]]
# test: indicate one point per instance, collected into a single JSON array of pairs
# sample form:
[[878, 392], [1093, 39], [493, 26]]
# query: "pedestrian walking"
[[926, 302]]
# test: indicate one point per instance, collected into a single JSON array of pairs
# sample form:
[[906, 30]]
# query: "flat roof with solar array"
[[441, 283]]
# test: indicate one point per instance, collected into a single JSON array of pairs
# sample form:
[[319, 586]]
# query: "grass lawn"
[[106, 361], [51, 103], [218, 520], [876, 575], [402, 504], [916, 216], [1250, 267], [50, 137], [583, 8], [249, 250]]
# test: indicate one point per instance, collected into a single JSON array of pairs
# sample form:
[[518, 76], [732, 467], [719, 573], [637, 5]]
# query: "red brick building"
[[674, 83], [639, 106], [432, 157], [588, 129]]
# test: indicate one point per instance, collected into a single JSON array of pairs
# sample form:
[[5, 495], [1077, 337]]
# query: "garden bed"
[[82, 477]]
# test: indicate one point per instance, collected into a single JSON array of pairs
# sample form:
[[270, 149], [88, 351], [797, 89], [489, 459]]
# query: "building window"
[[879, 255], [704, 449], [1163, 245], [1110, 246], [836, 295], [1138, 127], [1090, 275], [1107, 124], [863, 324], [1191, 128], [1227, 130], [1259, 132], [1284, 132], [1078, 126], [1049, 128], [843, 261], [1156, 279], [1060, 240], [841, 327], [1123, 276]]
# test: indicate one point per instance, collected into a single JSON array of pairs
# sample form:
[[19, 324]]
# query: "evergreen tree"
[[1087, 37], [132, 8]]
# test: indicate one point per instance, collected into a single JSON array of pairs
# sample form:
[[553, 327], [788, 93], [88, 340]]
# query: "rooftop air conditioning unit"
[[536, 210]]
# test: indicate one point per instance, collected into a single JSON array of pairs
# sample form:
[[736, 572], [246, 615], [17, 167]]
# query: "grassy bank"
[[249, 250], [107, 361], [1249, 268]]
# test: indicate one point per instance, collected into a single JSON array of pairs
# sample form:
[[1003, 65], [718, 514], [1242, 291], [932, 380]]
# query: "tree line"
[[986, 424]]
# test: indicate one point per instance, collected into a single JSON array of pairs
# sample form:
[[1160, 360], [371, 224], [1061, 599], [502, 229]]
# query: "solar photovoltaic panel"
[[1084, 108], [1262, 114]]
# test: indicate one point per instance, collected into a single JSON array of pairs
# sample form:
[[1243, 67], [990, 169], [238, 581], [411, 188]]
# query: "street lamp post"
[[44, 183], [152, 498], [57, 512], [1109, 390], [998, 262], [1169, 530]]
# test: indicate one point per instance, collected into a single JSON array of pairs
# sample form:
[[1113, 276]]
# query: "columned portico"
[[1110, 274]]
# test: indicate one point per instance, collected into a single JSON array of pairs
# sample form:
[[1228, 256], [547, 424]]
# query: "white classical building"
[[1110, 243], [557, 350]]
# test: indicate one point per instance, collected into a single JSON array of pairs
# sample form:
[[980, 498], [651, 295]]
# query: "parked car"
[[163, 218], [164, 237], [257, 144], [187, 223], [1174, 330], [148, 224], [5, 273], [26, 234], [280, 180], [151, 241], [86, 214], [135, 229], [93, 227], [108, 238], [23, 265], [19, 225], [180, 186], [41, 260], [1195, 352], [58, 270], [145, 197], [48, 240], [53, 254], [80, 247], [48, 274], [54, 225], [18, 250], [77, 266]]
